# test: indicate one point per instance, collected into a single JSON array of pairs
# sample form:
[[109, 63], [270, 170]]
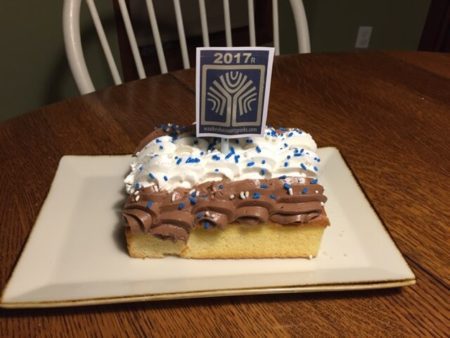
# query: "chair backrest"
[[77, 63]]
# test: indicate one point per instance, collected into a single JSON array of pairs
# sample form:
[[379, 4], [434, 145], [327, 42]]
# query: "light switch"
[[363, 36]]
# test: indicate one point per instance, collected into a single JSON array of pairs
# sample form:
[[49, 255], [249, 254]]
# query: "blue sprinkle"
[[285, 145], [151, 176], [193, 200], [176, 157], [317, 159], [178, 161], [250, 164], [314, 181], [290, 134], [263, 172], [305, 190], [273, 133], [205, 225], [202, 153], [216, 170], [282, 177], [272, 196], [282, 129], [236, 158], [192, 160], [258, 149], [256, 195], [181, 206], [137, 186], [149, 204], [286, 164], [303, 166], [161, 147], [220, 186], [263, 162], [200, 214], [263, 186], [286, 186], [315, 168], [158, 140], [288, 157], [193, 194], [165, 178], [249, 140], [216, 158], [230, 153]]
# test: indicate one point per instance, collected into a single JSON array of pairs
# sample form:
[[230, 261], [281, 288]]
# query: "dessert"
[[260, 198]]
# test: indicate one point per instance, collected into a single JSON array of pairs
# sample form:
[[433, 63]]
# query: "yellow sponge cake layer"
[[235, 241]]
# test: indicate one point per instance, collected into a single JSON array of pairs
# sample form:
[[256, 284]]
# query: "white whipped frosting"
[[185, 161]]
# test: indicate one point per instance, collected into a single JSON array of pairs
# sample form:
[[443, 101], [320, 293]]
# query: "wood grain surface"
[[387, 112]]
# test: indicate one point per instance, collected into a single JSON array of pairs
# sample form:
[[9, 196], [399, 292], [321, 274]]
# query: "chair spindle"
[[251, 23], [301, 25], [204, 22], [181, 34], [276, 33], [104, 42], [156, 37], [132, 39], [226, 14]]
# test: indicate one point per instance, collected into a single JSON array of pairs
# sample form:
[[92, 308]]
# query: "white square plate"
[[75, 254]]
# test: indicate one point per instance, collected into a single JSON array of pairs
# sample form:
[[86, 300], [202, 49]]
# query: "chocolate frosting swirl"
[[286, 201]]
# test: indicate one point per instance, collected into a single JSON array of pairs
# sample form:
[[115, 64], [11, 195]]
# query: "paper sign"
[[232, 90]]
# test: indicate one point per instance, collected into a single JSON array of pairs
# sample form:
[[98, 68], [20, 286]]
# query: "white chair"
[[77, 63]]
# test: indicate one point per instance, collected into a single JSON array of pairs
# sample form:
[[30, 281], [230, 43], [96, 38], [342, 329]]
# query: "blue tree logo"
[[232, 93]]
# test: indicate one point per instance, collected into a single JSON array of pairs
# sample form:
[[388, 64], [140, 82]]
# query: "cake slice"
[[260, 198]]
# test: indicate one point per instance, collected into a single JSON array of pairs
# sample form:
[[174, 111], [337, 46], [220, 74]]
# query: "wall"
[[333, 24], [33, 67], [34, 70]]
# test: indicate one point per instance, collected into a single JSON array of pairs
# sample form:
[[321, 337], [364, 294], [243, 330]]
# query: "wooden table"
[[388, 113]]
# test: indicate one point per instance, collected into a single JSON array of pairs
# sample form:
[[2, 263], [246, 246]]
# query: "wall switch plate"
[[363, 36]]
